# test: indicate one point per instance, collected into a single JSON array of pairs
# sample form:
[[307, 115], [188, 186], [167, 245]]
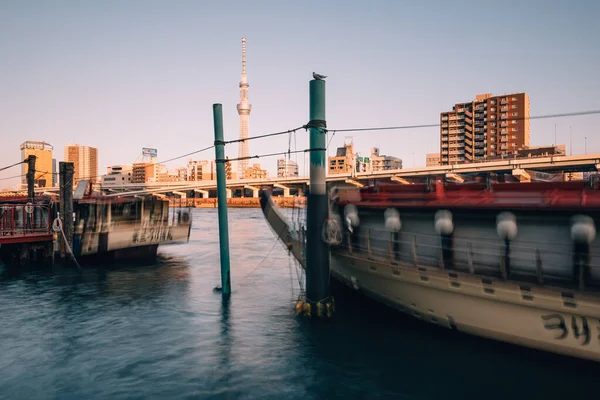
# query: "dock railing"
[[25, 220]]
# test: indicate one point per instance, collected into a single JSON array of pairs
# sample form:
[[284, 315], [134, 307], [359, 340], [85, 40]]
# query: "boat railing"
[[24, 219], [521, 262]]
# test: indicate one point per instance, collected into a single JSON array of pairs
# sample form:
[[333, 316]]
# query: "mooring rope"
[[57, 226]]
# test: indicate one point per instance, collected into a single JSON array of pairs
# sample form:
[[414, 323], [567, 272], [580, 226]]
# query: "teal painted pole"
[[222, 199], [317, 251]]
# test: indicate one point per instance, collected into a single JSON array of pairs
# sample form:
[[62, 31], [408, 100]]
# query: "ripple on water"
[[159, 331]]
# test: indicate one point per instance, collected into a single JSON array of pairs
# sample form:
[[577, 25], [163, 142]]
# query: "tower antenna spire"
[[243, 109], [243, 55]]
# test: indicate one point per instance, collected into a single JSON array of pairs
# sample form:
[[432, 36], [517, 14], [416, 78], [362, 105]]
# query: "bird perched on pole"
[[318, 76]]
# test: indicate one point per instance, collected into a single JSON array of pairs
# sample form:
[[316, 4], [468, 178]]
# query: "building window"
[[492, 131], [514, 145], [515, 114], [493, 102], [513, 121], [514, 129], [514, 98]]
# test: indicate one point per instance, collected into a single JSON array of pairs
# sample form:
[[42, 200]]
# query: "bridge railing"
[[23, 220]]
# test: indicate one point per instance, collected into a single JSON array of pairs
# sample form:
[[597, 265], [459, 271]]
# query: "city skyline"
[[122, 76]]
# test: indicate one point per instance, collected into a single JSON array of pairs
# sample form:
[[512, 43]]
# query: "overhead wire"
[[12, 165], [385, 128], [264, 136], [12, 177], [270, 155]]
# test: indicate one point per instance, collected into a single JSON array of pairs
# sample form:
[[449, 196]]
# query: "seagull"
[[318, 76]]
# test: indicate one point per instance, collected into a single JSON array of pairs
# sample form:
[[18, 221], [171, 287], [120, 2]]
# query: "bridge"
[[523, 169]]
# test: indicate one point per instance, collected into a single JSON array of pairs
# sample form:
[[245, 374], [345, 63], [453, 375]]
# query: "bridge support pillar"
[[204, 193], [286, 190], [255, 190], [181, 195]]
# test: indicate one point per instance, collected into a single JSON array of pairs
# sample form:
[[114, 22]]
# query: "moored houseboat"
[[516, 262]]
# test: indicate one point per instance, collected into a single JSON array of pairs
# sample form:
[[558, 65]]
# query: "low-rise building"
[[382, 162], [432, 159], [286, 168], [117, 175], [255, 172]]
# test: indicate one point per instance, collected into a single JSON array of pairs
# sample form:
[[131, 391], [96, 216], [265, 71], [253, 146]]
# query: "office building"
[[85, 162], [54, 173], [43, 162], [489, 126]]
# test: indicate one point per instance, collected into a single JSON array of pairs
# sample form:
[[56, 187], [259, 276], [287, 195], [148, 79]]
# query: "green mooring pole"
[[317, 251], [222, 199]]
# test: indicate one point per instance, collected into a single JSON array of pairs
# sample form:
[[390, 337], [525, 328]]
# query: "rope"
[[332, 232], [57, 226], [261, 261]]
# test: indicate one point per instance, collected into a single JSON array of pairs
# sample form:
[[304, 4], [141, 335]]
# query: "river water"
[[159, 331]]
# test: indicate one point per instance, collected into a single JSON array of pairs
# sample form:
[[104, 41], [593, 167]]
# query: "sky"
[[123, 75]]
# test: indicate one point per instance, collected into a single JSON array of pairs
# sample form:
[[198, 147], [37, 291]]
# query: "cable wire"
[[270, 155], [264, 136], [185, 155], [12, 177], [385, 128], [12, 165]]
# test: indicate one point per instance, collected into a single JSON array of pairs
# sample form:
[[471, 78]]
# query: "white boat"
[[511, 262], [127, 227]]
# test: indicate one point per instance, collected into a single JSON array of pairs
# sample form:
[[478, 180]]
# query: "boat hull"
[[548, 319]]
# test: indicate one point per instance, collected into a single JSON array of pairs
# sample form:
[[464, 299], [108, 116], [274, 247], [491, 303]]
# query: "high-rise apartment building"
[[489, 126], [85, 162], [43, 162]]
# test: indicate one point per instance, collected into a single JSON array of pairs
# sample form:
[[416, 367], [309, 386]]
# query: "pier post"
[[317, 251], [65, 170], [30, 178], [222, 199]]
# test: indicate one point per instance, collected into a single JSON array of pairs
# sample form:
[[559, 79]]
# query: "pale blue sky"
[[122, 75]]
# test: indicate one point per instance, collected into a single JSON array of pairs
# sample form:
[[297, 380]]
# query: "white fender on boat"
[[506, 225], [392, 220], [443, 222], [583, 229], [351, 215]]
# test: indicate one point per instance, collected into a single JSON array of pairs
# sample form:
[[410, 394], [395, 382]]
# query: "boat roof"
[[574, 195]]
